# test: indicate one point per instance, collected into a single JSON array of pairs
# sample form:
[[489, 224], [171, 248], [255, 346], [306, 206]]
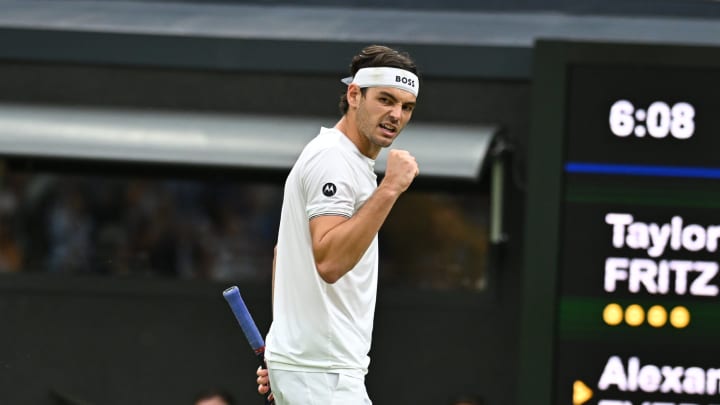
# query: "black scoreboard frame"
[[553, 60]]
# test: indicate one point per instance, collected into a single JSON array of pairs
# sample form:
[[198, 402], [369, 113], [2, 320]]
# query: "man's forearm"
[[339, 246]]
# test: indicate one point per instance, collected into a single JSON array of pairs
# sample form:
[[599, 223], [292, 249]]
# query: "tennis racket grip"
[[247, 324]]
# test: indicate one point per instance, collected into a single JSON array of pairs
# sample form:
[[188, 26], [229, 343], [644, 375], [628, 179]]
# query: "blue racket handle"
[[247, 324], [239, 309]]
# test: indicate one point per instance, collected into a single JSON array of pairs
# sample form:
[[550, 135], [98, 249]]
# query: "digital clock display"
[[642, 115], [623, 227], [659, 120]]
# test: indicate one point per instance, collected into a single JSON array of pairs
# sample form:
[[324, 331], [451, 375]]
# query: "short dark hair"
[[377, 56]]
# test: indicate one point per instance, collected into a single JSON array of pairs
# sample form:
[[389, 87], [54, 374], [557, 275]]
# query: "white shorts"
[[309, 388]]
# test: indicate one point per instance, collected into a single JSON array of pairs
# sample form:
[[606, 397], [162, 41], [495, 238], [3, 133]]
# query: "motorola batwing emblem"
[[329, 189]]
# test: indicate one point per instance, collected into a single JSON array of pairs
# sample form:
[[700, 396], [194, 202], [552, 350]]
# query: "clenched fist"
[[401, 170]]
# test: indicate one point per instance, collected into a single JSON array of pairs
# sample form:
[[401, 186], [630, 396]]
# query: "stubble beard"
[[368, 129]]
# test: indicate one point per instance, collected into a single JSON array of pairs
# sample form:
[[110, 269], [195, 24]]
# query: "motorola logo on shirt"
[[329, 189]]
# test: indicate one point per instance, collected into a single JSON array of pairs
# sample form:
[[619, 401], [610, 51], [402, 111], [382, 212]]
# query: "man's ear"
[[353, 95]]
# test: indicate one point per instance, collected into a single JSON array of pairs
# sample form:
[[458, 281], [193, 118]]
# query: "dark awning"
[[271, 38]]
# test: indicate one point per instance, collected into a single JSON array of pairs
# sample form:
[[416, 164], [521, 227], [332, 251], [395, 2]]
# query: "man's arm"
[[339, 242], [272, 288], [263, 377]]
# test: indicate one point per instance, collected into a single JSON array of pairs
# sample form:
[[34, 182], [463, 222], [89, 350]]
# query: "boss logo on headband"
[[405, 80]]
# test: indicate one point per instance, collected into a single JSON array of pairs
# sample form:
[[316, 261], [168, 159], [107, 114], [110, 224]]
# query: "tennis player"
[[325, 270]]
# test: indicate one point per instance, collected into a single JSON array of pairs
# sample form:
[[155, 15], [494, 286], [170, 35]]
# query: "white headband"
[[385, 77]]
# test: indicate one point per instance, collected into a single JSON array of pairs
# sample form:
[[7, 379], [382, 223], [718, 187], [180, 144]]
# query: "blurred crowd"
[[136, 227], [214, 229]]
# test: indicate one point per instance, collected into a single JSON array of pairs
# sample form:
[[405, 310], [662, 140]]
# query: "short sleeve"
[[329, 185]]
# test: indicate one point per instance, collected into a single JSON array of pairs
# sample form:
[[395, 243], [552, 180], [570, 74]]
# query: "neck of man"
[[347, 126]]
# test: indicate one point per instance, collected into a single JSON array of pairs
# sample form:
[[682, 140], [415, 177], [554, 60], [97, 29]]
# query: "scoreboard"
[[622, 246]]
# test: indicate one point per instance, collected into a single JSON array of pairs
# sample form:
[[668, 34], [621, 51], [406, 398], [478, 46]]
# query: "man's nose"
[[396, 112]]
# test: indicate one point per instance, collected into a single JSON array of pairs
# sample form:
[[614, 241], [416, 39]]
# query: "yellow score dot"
[[657, 316], [612, 314], [679, 317], [634, 315]]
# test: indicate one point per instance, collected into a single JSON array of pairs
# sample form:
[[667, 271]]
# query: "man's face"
[[382, 113]]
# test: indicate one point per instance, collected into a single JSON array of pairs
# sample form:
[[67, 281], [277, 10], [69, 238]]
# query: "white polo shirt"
[[319, 326]]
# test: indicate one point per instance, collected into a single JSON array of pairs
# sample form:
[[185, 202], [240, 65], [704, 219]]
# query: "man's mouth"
[[389, 128]]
